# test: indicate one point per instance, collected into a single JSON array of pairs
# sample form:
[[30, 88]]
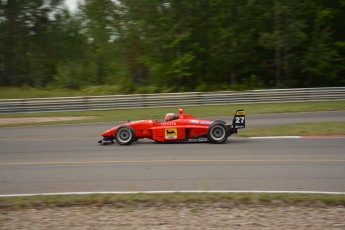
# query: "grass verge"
[[28, 92], [170, 200], [300, 129]]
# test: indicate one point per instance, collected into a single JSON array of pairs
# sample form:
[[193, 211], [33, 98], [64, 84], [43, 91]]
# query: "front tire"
[[125, 135], [217, 133]]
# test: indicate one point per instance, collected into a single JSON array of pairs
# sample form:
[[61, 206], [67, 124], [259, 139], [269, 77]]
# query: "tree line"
[[173, 45]]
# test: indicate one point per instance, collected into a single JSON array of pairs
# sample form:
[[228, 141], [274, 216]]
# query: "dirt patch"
[[217, 216], [21, 120]]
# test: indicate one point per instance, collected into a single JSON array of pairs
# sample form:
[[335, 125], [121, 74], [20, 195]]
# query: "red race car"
[[181, 128]]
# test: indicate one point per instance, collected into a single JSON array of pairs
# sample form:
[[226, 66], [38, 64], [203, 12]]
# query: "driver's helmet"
[[170, 116]]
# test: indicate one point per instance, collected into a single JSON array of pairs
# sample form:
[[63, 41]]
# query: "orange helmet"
[[170, 116]]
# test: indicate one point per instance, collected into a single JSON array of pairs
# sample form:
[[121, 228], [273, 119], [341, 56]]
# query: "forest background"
[[151, 46]]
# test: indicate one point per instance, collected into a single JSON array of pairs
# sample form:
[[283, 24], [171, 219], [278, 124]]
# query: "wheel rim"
[[218, 133], [124, 135]]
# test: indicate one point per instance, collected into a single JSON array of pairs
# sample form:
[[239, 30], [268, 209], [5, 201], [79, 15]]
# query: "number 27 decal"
[[239, 119]]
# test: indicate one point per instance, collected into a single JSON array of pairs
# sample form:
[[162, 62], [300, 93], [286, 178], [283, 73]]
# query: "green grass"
[[197, 111], [170, 200], [300, 129], [26, 92]]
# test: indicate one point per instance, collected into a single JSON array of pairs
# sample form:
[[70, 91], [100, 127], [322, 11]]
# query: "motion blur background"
[[151, 46]]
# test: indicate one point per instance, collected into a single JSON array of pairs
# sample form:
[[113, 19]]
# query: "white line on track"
[[171, 192], [172, 161], [276, 137]]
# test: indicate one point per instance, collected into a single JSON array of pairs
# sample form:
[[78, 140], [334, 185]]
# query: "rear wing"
[[239, 121]]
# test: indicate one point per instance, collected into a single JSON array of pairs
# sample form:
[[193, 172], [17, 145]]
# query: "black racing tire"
[[223, 122], [217, 133], [125, 135]]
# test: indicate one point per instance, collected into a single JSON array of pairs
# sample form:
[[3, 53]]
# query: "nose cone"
[[109, 132]]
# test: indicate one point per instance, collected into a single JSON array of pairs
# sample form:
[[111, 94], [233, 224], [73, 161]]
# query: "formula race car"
[[181, 128]]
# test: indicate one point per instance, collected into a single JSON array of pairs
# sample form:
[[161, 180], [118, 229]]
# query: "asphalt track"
[[67, 158]]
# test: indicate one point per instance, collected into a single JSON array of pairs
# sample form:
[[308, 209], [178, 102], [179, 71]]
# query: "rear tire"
[[217, 133], [125, 135]]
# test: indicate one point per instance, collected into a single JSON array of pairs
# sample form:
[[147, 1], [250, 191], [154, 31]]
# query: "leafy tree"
[[172, 45], [322, 62], [23, 25]]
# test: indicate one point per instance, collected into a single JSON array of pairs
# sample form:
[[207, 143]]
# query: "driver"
[[170, 117]]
